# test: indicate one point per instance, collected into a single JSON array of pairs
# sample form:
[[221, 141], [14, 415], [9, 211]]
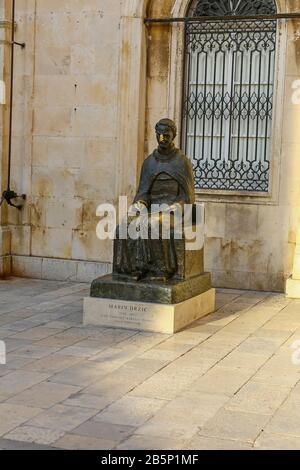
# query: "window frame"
[[175, 106]]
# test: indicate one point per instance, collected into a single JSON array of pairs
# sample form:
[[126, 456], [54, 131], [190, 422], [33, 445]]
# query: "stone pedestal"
[[146, 316], [172, 292], [163, 307]]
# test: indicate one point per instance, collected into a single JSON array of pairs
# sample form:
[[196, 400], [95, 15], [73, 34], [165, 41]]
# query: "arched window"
[[228, 94]]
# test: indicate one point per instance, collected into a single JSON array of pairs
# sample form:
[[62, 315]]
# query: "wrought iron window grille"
[[228, 95], [230, 48]]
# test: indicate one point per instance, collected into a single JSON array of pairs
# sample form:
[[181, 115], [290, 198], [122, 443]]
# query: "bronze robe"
[[164, 180], [177, 166]]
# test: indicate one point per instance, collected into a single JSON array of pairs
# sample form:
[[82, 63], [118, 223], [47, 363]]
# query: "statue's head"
[[166, 131]]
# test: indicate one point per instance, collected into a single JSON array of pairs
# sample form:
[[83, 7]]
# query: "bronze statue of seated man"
[[166, 181]]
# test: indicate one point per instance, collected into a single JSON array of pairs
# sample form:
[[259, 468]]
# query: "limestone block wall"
[[65, 115], [79, 140], [250, 242]]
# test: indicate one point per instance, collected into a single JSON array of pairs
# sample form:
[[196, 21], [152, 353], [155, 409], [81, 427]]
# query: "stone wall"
[[250, 242], [5, 239], [79, 119], [65, 126]]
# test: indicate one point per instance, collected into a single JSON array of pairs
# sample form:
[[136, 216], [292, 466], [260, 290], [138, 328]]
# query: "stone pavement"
[[227, 382]]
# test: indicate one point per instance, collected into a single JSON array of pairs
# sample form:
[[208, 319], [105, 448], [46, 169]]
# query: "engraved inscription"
[[128, 308], [123, 313]]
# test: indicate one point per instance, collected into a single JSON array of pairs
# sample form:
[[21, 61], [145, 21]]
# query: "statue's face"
[[164, 137]]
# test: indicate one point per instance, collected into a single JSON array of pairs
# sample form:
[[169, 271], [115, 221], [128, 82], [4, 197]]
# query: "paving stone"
[[107, 335], [35, 435], [35, 352], [244, 361], [18, 381], [276, 336], [106, 431], [59, 325], [12, 416], [282, 325], [141, 340], [143, 367], [158, 427], [278, 372], [44, 395], [225, 382], [81, 375], [291, 340], [223, 379], [207, 328], [123, 380], [6, 444], [5, 333], [60, 417], [13, 345], [35, 334], [130, 411], [235, 425], [22, 325], [46, 318], [4, 371], [163, 387], [91, 343], [113, 358], [73, 442], [77, 317], [111, 388], [199, 361], [260, 345], [193, 407], [286, 420], [53, 363], [137, 442], [59, 341], [206, 443], [296, 390], [258, 397], [268, 441], [85, 400], [79, 351], [157, 354], [222, 341], [170, 381], [16, 362], [222, 319], [7, 319], [186, 338]]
